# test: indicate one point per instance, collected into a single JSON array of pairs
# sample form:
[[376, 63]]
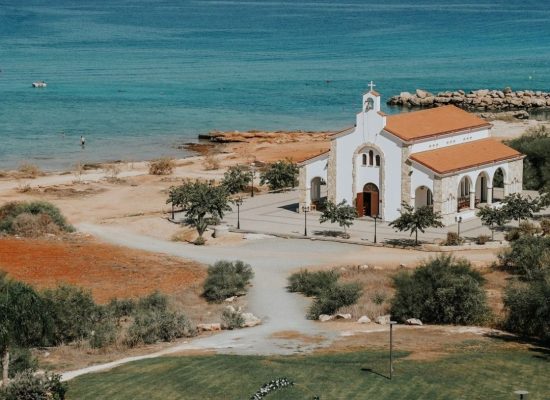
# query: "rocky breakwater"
[[476, 100]]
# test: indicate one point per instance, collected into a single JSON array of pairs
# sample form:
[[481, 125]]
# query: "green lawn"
[[475, 371]]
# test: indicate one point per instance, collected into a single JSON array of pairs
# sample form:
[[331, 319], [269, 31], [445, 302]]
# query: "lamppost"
[[252, 173], [172, 211], [392, 323], [238, 202], [458, 219], [522, 394], [375, 218], [305, 209]]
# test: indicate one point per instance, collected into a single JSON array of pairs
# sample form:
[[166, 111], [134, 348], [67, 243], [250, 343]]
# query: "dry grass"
[[29, 171], [162, 166], [211, 162]]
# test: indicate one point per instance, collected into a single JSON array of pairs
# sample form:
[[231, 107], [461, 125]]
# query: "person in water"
[[82, 141]]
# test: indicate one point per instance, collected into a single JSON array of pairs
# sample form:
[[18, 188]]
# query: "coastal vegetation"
[[443, 290], [280, 175], [32, 219], [162, 166], [236, 179], [227, 279]]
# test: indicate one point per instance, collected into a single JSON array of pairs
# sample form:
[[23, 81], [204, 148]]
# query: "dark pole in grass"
[[239, 203], [172, 211], [305, 209], [522, 394], [458, 220], [392, 323], [375, 218]]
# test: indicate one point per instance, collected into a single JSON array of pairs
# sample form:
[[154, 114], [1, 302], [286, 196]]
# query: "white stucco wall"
[[449, 140], [421, 176]]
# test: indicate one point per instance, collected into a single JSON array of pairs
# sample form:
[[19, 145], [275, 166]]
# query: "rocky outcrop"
[[476, 100]]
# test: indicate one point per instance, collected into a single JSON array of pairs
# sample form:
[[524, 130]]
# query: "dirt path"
[[272, 261]]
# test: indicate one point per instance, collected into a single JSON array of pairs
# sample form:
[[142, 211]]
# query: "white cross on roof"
[[371, 85]]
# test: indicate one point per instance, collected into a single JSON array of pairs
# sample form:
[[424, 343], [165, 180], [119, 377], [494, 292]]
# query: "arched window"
[[377, 160], [364, 159], [371, 157]]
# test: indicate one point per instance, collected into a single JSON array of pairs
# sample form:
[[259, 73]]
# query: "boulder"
[[421, 93], [413, 321], [250, 320], [507, 89], [383, 319], [415, 101], [209, 327], [442, 100], [325, 317], [230, 299], [363, 267], [427, 101], [343, 316], [405, 96], [363, 320], [481, 92]]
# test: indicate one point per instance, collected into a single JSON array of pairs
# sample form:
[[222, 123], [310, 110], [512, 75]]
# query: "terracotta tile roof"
[[432, 122], [374, 93], [467, 155], [309, 159]]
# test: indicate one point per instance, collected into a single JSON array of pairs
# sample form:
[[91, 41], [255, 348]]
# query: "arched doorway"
[[481, 188], [423, 197], [463, 193], [498, 185], [368, 201]]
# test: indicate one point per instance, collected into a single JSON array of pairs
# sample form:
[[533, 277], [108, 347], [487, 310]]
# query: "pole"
[[375, 218], [392, 323], [459, 228], [172, 211], [252, 173], [305, 220], [238, 216]]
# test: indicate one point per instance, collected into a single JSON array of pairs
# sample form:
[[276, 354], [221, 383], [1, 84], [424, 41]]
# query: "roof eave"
[[451, 132], [444, 174]]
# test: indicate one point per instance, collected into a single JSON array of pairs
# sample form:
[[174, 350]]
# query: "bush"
[[73, 313], [200, 241], [528, 228], [121, 308], [162, 166], [226, 279], [47, 213], [28, 170], [482, 239], [452, 239], [512, 235], [21, 359], [232, 319], [443, 290], [330, 300], [312, 283], [29, 225], [280, 175], [528, 308], [545, 226], [528, 256], [28, 386], [158, 325]]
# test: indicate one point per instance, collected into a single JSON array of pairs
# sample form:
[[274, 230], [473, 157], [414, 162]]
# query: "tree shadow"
[[331, 233], [403, 242], [294, 207], [540, 348]]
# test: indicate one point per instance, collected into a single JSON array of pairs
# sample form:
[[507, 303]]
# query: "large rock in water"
[[413, 321], [421, 93]]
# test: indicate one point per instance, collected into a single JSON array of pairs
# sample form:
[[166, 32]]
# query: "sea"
[[139, 78]]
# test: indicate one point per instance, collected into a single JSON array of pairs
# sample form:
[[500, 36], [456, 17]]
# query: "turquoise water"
[[138, 77]]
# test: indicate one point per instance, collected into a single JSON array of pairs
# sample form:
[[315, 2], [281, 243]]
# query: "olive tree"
[[236, 179], [414, 220], [492, 217], [202, 202], [280, 175], [517, 207]]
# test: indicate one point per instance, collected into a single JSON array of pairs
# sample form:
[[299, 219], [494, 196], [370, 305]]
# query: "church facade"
[[441, 157]]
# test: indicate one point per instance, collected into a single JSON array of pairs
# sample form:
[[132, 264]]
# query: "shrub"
[[27, 385], [528, 228], [528, 308], [236, 179], [211, 162], [333, 298], [199, 241], [226, 279], [158, 325], [29, 225], [28, 170], [482, 239], [104, 334], [512, 235], [443, 290], [232, 319], [545, 226], [48, 212], [121, 308], [312, 283], [162, 166], [527, 256], [156, 301], [280, 175], [21, 359], [452, 239], [73, 313]]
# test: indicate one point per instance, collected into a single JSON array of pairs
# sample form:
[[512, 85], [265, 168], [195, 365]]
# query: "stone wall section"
[[332, 172], [405, 175]]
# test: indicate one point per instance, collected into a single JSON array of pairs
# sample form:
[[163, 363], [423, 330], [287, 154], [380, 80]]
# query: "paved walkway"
[[276, 213]]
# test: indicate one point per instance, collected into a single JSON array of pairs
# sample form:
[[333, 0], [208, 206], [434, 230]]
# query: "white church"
[[440, 157]]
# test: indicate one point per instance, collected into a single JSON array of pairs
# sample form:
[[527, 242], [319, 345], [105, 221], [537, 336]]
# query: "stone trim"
[[332, 172], [405, 175]]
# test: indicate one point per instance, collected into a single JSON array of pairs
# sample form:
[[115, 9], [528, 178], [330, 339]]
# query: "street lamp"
[[305, 209], [252, 173], [375, 218], [522, 394], [172, 211], [238, 202], [392, 323], [458, 219]]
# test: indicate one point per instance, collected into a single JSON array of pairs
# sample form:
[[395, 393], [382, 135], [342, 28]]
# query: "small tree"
[[280, 175], [517, 207], [236, 179], [492, 217], [415, 220], [203, 204], [342, 213]]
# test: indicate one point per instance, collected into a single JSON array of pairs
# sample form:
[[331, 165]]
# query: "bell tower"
[[371, 99]]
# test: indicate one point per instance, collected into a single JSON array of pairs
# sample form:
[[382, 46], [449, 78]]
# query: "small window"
[[377, 160], [429, 198], [364, 159], [371, 157]]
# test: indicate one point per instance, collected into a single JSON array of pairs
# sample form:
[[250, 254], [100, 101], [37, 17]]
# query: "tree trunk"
[[5, 366], [416, 237]]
